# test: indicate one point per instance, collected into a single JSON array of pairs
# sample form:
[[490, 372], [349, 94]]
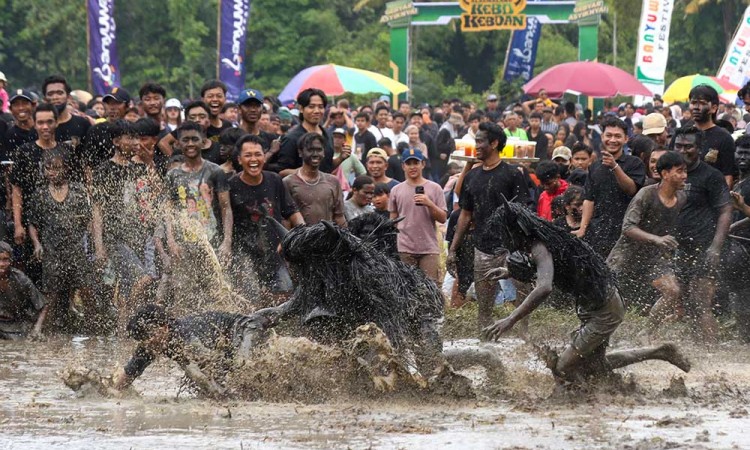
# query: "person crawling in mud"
[[552, 256], [21, 304], [206, 346]]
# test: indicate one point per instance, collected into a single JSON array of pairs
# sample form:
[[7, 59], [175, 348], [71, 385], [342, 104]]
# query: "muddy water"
[[38, 411]]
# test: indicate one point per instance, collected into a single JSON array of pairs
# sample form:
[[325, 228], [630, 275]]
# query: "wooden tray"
[[509, 160]]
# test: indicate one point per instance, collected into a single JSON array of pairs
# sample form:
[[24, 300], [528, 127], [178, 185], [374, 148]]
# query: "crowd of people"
[[116, 203]]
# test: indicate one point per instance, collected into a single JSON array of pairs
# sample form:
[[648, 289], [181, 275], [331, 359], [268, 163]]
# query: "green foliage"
[[174, 42]]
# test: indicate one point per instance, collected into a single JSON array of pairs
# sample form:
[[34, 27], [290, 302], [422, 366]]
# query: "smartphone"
[[419, 190]]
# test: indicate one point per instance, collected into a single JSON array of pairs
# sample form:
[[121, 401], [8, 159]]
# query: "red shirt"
[[544, 206]]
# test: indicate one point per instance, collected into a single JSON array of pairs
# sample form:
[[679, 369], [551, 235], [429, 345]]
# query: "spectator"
[[445, 144], [718, 145], [535, 134], [703, 226], [380, 199], [59, 218], [548, 174], [643, 253], [572, 202], [312, 103], [255, 194], [364, 140], [318, 195], [377, 162], [363, 190], [512, 129], [421, 202], [71, 128], [152, 98], [481, 193], [652, 176], [561, 156], [350, 167], [611, 184], [20, 301]]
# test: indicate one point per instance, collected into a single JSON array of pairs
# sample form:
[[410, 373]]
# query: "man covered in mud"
[[643, 254], [20, 301], [206, 346], [551, 256]]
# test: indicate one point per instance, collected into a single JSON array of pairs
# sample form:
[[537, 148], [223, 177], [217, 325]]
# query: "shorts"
[[427, 263], [690, 262], [131, 265], [597, 326]]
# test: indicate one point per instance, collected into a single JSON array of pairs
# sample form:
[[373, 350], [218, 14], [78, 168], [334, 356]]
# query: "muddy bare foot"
[[670, 353]]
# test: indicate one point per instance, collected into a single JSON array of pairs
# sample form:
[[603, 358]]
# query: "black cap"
[[21, 93], [118, 94]]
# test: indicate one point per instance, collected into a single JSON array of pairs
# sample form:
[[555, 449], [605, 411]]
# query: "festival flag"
[[233, 16], [653, 44], [105, 72], [522, 51], [736, 65]]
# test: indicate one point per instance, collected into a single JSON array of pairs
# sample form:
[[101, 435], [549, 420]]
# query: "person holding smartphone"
[[421, 203]]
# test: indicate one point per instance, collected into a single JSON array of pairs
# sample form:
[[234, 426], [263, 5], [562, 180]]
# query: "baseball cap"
[[284, 113], [562, 152], [118, 94], [2, 77], [384, 98], [173, 103], [492, 97], [21, 93], [379, 152], [339, 131], [654, 123], [456, 119], [250, 94], [412, 153]]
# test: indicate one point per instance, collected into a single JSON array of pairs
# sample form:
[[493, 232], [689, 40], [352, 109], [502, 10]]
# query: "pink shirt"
[[417, 231]]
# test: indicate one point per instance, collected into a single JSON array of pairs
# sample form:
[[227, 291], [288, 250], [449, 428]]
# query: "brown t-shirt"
[[323, 200], [417, 231], [647, 212]]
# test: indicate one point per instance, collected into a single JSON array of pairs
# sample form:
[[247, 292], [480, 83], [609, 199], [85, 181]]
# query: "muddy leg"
[[664, 352], [667, 304], [702, 292]]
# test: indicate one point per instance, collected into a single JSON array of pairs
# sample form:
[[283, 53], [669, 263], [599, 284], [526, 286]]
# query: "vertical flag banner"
[[522, 52], [653, 44], [232, 33], [105, 72], [736, 65]]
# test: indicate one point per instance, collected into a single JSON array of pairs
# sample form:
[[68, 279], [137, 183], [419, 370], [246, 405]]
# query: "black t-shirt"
[[482, 194], [211, 332], [395, 170], [213, 153], [610, 202], [73, 130], [706, 192], [248, 203], [123, 194], [61, 225], [28, 173], [718, 150], [213, 132], [17, 136], [541, 144]]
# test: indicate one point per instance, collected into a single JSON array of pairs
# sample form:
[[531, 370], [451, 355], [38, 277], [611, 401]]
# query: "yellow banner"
[[482, 15]]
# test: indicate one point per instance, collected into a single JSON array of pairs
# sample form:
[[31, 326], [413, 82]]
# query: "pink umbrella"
[[588, 78]]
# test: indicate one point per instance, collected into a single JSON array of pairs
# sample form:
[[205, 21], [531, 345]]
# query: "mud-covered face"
[[742, 158], [702, 109]]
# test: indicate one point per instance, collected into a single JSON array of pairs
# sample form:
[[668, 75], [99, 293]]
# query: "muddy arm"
[[206, 384], [276, 313]]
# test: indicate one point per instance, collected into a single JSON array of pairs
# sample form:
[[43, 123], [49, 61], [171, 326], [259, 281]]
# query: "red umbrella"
[[588, 78]]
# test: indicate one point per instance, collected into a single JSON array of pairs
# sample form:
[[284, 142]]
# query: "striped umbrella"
[[679, 90], [335, 80]]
